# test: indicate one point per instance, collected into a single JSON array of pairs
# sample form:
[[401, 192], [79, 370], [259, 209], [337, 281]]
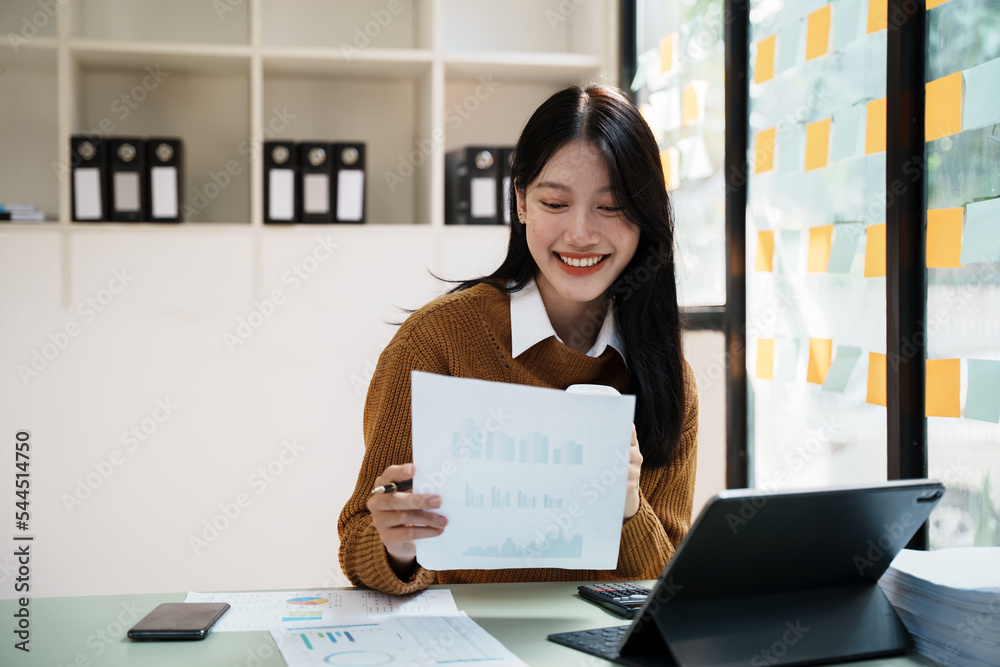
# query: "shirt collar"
[[529, 324]]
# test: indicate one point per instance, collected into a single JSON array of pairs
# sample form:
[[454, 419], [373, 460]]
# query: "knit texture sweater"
[[467, 334]]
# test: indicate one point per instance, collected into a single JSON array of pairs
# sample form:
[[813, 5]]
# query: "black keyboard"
[[602, 642]]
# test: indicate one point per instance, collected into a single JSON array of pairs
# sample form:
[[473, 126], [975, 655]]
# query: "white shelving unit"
[[411, 78]]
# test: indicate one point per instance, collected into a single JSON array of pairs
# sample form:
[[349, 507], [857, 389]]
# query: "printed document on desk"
[[402, 640], [290, 609], [528, 477]]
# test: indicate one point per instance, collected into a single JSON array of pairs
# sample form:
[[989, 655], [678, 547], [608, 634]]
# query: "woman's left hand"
[[634, 467]]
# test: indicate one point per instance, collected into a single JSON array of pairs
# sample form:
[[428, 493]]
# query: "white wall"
[[114, 514]]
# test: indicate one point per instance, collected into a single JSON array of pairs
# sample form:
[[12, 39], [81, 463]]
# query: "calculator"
[[622, 599]]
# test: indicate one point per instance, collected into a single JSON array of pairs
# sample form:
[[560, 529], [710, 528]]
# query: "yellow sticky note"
[[765, 359], [878, 15], [689, 105], [875, 251], [875, 127], [764, 68], [818, 33], [820, 358], [818, 144], [877, 384], [765, 251], [931, 4], [765, 151], [944, 107], [820, 243], [944, 238], [670, 159], [668, 49], [944, 377]]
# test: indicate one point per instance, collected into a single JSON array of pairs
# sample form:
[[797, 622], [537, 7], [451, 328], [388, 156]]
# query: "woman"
[[586, 295]]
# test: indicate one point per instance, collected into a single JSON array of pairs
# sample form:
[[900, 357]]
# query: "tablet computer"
[[777, 578]]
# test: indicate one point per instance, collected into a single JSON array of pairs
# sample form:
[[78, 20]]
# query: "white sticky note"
[[667, 108], [316, 193], [281, 195], [483, 193], [126, 184], [350, 195], [87, 194], [163, 181]]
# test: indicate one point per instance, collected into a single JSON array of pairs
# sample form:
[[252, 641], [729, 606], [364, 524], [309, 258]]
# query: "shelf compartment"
[[208, 110], [381, 113], [349, 27], [187, 21], [549, 26], [31, 172]]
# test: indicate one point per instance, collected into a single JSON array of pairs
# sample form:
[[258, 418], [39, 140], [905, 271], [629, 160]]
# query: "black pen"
[[393, 487]]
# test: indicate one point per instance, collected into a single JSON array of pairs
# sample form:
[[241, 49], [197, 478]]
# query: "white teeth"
[[589, 261]]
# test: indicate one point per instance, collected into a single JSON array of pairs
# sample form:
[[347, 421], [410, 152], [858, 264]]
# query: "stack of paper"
[[325, 627], [21, 213], [949, 600]]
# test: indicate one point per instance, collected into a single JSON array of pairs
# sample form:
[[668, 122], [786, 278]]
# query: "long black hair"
[[645, 294]]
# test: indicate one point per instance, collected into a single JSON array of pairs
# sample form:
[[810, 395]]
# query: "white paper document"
[[398, 640], [292, 609], [528, 477]]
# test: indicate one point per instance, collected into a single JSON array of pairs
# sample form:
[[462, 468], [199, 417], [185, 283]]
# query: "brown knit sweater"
[[467, 334]]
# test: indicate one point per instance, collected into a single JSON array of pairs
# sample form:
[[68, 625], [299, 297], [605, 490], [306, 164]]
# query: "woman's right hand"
[[402, 517]]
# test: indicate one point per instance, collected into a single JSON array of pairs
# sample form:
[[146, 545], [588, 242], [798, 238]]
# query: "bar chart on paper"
[[523, 473]]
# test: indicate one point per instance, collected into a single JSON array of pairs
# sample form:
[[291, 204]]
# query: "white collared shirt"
[[530, 324]]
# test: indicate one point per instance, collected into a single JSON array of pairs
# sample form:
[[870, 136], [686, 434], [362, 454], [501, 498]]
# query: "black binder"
[[127, 176], [349, 182], [279, 181], [89, 171], [782, 578], [164, 178], [505, 196], [315, 186], [471, 186]]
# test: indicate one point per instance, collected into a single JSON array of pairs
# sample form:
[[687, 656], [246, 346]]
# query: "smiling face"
[[575, 231]]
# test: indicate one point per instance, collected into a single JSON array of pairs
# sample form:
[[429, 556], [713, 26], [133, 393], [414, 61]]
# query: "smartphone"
[[178, 620]]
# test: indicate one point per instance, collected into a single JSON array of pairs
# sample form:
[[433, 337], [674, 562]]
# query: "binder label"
[[87, 193], [316, 193], [282, 194], [126, 191], [483, 193], [350, 195], [164, 195]]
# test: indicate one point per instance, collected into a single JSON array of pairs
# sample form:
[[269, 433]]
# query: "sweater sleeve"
[[666, 496], [387, 432]]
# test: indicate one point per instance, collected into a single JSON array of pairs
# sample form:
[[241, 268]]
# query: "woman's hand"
[[402, 517], [634, 467]]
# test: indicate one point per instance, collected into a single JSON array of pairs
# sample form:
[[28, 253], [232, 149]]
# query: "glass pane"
[[963, 274], [816, 332], [680, 89]]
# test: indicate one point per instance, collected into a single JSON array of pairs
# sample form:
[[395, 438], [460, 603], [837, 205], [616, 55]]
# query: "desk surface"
[[90, 631]]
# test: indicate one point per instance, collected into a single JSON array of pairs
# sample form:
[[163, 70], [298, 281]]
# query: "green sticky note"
[[847, 133], [981, 236], [983, 402], [642, 66], [791, 155], [788, 45], [846, 22], [843, 365], [982, 95], [786, 354], [788, 251], [845, 244]]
